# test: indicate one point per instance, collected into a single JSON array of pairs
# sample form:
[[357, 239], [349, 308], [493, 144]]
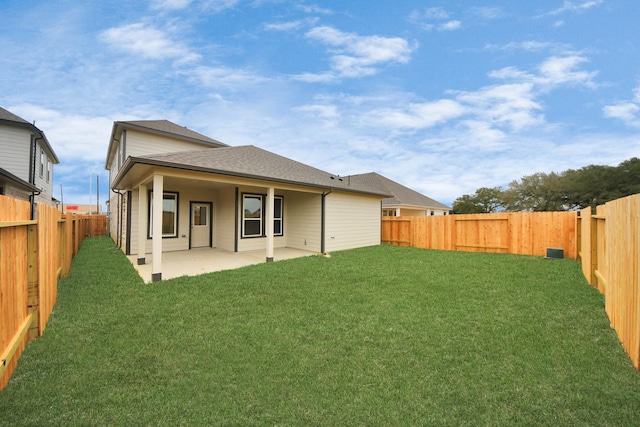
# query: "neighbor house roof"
[[250, 162], [7, 118], [6, 176], [159, 127], [401, 195]]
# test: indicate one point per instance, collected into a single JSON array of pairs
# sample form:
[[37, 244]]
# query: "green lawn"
[[375, 336]]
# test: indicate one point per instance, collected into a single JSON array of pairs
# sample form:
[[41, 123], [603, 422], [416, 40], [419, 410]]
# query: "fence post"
[[32, 280], [593, 279]]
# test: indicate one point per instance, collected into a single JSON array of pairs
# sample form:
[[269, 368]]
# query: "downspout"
[[119, 220], [32, 202], [32, 175], [322, 222]]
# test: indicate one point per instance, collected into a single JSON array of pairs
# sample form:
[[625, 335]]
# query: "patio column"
[[158, 189], [142, 223], [269, 224]]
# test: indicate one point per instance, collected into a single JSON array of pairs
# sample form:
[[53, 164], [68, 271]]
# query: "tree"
[[535, 193], [484, 200]]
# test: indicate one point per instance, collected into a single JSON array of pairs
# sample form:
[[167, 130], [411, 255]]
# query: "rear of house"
[[231, 198]]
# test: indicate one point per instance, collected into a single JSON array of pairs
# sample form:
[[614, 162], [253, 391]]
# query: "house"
[[26, 163], [80, 209], [237, 199], [404, 201]]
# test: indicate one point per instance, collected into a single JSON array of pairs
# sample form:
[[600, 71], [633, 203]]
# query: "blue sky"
[[443, 97]]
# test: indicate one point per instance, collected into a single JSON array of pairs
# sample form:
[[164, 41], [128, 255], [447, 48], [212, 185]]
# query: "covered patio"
[[206, 260]]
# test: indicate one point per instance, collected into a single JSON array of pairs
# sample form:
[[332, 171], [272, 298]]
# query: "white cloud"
[[170, 4], [627, 111], [450, 26], [219, 5], [314, 9], [562, 69], [149, 42], [530, 46], [488, 12], [356, 56], [416, 116], [554, 71], [291, 25], [224, 77], [429, 19], [569, 6], [511, 106]]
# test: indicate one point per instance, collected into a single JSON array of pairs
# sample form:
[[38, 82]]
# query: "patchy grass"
[[374, 336]]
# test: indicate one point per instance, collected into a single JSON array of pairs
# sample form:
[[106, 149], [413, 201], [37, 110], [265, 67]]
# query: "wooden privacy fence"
[[608, 250], [33, 255], [525, 233], [606, 244]]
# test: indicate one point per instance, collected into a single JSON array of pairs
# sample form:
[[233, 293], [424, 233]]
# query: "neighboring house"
[[405, 201], [26, 160], [80, 209], [232, 198]]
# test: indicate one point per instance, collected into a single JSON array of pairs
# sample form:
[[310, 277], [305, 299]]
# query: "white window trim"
[[175, 216], [276, 218]]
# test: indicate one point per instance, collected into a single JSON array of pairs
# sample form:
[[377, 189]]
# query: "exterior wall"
[[43, 175], [303, 220], [15, 144], [15, 192], [181, 242], [118, 219], [422, 212], [224, 218], [352, 221], [145, 144]]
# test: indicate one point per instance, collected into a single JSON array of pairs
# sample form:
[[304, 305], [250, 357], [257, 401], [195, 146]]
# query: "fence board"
[[13, 282], [622, 293], [528, 233], [33, 254]]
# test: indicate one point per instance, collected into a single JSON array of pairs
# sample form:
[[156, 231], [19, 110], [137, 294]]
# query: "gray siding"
[[15, 144]]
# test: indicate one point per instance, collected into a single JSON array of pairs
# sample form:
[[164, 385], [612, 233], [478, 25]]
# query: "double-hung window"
[[253, 215], [252, 219], [169, 214]]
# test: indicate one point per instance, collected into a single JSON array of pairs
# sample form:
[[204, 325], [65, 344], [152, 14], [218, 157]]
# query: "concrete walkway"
[[206, 260]]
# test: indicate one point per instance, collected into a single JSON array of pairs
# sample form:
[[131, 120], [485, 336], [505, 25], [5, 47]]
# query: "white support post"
[[142, 223], [158, 183], [269, 224]]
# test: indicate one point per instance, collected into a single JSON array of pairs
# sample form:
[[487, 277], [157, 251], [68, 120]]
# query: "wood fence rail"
[[33, 255], [524, 233]]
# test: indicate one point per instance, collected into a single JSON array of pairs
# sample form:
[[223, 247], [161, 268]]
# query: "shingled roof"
[[171, 129], [252, 162], [402, 195]]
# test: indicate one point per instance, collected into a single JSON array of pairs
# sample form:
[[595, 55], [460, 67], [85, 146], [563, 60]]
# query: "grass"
[[373, 336]]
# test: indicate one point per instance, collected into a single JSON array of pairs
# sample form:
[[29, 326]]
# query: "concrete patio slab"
[[206, 260]]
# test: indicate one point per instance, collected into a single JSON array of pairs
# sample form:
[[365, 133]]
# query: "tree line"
[[591, 185]]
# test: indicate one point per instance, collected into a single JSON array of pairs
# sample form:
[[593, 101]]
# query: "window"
[[200, 215], [169, 214], [41, 162], [278, 204], [253, 215], [388, 212], [48, 170]]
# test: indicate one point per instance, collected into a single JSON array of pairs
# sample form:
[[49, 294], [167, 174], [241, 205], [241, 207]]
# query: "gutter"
[[132, 161]]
